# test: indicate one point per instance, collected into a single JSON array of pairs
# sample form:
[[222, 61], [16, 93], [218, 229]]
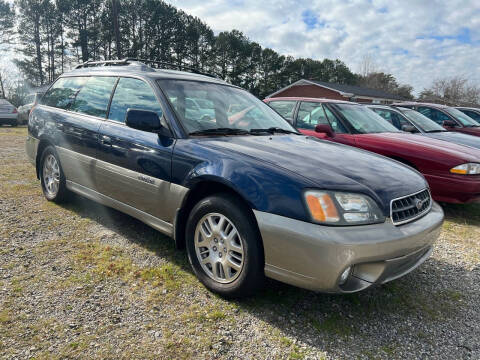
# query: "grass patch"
[[333, 324]]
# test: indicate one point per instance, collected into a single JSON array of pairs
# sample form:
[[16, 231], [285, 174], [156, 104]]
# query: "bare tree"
[[455, 90], [368, 66]]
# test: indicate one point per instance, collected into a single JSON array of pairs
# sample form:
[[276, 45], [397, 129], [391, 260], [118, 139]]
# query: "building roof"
[[345, 90], [411, 103], [299, 98]]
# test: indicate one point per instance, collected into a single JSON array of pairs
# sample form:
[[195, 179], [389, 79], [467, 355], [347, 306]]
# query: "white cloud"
[[417, 41]]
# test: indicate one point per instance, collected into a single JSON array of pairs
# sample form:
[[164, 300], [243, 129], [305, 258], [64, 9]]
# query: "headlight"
[[338, 208], [466, 169]]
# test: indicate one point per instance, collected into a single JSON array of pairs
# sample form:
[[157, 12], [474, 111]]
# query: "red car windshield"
[[363, 119]]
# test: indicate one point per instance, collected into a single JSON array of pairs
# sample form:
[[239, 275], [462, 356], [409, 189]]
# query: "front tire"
[[224, 246], [52, 177]]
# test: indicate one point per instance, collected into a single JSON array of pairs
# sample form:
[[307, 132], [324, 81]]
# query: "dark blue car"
[[241, 189], [412, 121]]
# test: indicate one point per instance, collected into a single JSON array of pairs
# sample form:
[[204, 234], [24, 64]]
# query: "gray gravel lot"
[[84, 281]]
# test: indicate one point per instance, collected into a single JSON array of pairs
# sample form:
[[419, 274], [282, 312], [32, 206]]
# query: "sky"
[[417, 41]]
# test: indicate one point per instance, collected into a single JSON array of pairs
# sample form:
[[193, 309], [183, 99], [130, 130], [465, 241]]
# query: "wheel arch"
[[200, 190], [42, 145]]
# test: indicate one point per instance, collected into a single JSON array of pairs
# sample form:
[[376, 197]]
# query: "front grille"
[[410, 207]]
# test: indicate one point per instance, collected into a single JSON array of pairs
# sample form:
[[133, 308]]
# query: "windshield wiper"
[[273, 130], [220, 131], [435, 131]]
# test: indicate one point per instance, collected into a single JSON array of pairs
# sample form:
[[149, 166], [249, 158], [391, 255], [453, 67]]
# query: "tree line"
[[50, 36]]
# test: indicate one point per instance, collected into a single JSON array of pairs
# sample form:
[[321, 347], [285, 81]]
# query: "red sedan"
[[452, 170], [450, 118]]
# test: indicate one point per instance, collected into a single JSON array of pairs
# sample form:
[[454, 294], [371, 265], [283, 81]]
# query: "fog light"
[[345, 275]]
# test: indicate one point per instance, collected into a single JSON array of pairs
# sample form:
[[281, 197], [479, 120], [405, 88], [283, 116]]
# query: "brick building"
[[320, 89]]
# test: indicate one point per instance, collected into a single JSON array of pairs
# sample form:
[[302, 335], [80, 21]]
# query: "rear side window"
[[94, 96], [284, 108], [62, 94], [134, 94]]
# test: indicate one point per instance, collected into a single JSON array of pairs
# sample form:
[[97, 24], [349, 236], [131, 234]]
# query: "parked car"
[[248, 196], [451, 170], [414, 122], [8, 113], [450, 118], [24, 110], [473, 113]]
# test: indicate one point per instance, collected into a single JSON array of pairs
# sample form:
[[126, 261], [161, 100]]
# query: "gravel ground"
[[84, 281]]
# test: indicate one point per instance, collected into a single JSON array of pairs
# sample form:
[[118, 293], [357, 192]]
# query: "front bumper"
[[313, 256], [458, 189]]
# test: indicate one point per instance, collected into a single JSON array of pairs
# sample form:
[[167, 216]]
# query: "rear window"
[[94, 96], [62, 94]]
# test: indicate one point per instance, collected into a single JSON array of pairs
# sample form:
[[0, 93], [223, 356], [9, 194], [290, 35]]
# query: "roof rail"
[[127, 61]]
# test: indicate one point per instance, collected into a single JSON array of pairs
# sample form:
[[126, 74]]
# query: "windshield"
[[421, 121], [204, 106], [466, 120], [364, 120]]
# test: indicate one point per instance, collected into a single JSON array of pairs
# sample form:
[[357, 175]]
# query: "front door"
[[134, 166], [310, 114]]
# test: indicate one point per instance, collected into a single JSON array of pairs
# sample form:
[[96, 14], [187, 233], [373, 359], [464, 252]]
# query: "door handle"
[[106, 140]]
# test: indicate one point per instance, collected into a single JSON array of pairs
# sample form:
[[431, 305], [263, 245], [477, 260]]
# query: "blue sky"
[[417, 41]]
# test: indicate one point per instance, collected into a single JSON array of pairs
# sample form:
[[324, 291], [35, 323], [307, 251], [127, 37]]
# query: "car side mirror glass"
[[145, 120], [325, 128], [449, 123], [409, 128]]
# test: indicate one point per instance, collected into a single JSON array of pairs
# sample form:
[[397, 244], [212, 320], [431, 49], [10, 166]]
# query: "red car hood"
[[418, 143]]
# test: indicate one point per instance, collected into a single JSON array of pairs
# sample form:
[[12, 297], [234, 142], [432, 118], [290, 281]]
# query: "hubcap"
[[219, 248], [51, 175]]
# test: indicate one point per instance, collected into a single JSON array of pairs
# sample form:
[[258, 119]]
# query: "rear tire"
[[224, 246], [52, 177]]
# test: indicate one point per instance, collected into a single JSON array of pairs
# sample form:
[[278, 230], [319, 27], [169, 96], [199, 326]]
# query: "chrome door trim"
[[148, 219]]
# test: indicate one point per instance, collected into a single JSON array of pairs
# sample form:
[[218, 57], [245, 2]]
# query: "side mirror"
[[325, 128], [409, 128], [449, 123], [145, 120]]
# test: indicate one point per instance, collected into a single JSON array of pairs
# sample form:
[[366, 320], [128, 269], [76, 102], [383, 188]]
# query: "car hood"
[[423, 144], [471, 130], [327, 165], [457, 138]]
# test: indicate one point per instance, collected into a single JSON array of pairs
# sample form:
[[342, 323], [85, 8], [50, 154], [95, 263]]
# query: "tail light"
[[14, 111]]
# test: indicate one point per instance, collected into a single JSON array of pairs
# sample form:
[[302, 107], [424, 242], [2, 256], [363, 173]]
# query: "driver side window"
[[436, 115], [310, 114]]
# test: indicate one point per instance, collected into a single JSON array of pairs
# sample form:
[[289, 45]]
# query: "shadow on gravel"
[[375, 322], [465, 214]]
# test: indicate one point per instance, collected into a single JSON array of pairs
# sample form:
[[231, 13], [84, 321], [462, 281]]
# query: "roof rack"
[[128, 61]]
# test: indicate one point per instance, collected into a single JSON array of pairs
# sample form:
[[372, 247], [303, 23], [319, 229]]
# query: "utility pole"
[[116, 28]]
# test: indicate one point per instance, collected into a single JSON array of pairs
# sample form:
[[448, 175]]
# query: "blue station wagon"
[[230, 180]]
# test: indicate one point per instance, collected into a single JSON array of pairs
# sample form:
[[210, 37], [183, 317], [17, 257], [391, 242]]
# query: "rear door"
[[77, 107], [135, 166]]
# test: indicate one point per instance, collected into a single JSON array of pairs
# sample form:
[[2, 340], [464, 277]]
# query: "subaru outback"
[[230, 180]]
